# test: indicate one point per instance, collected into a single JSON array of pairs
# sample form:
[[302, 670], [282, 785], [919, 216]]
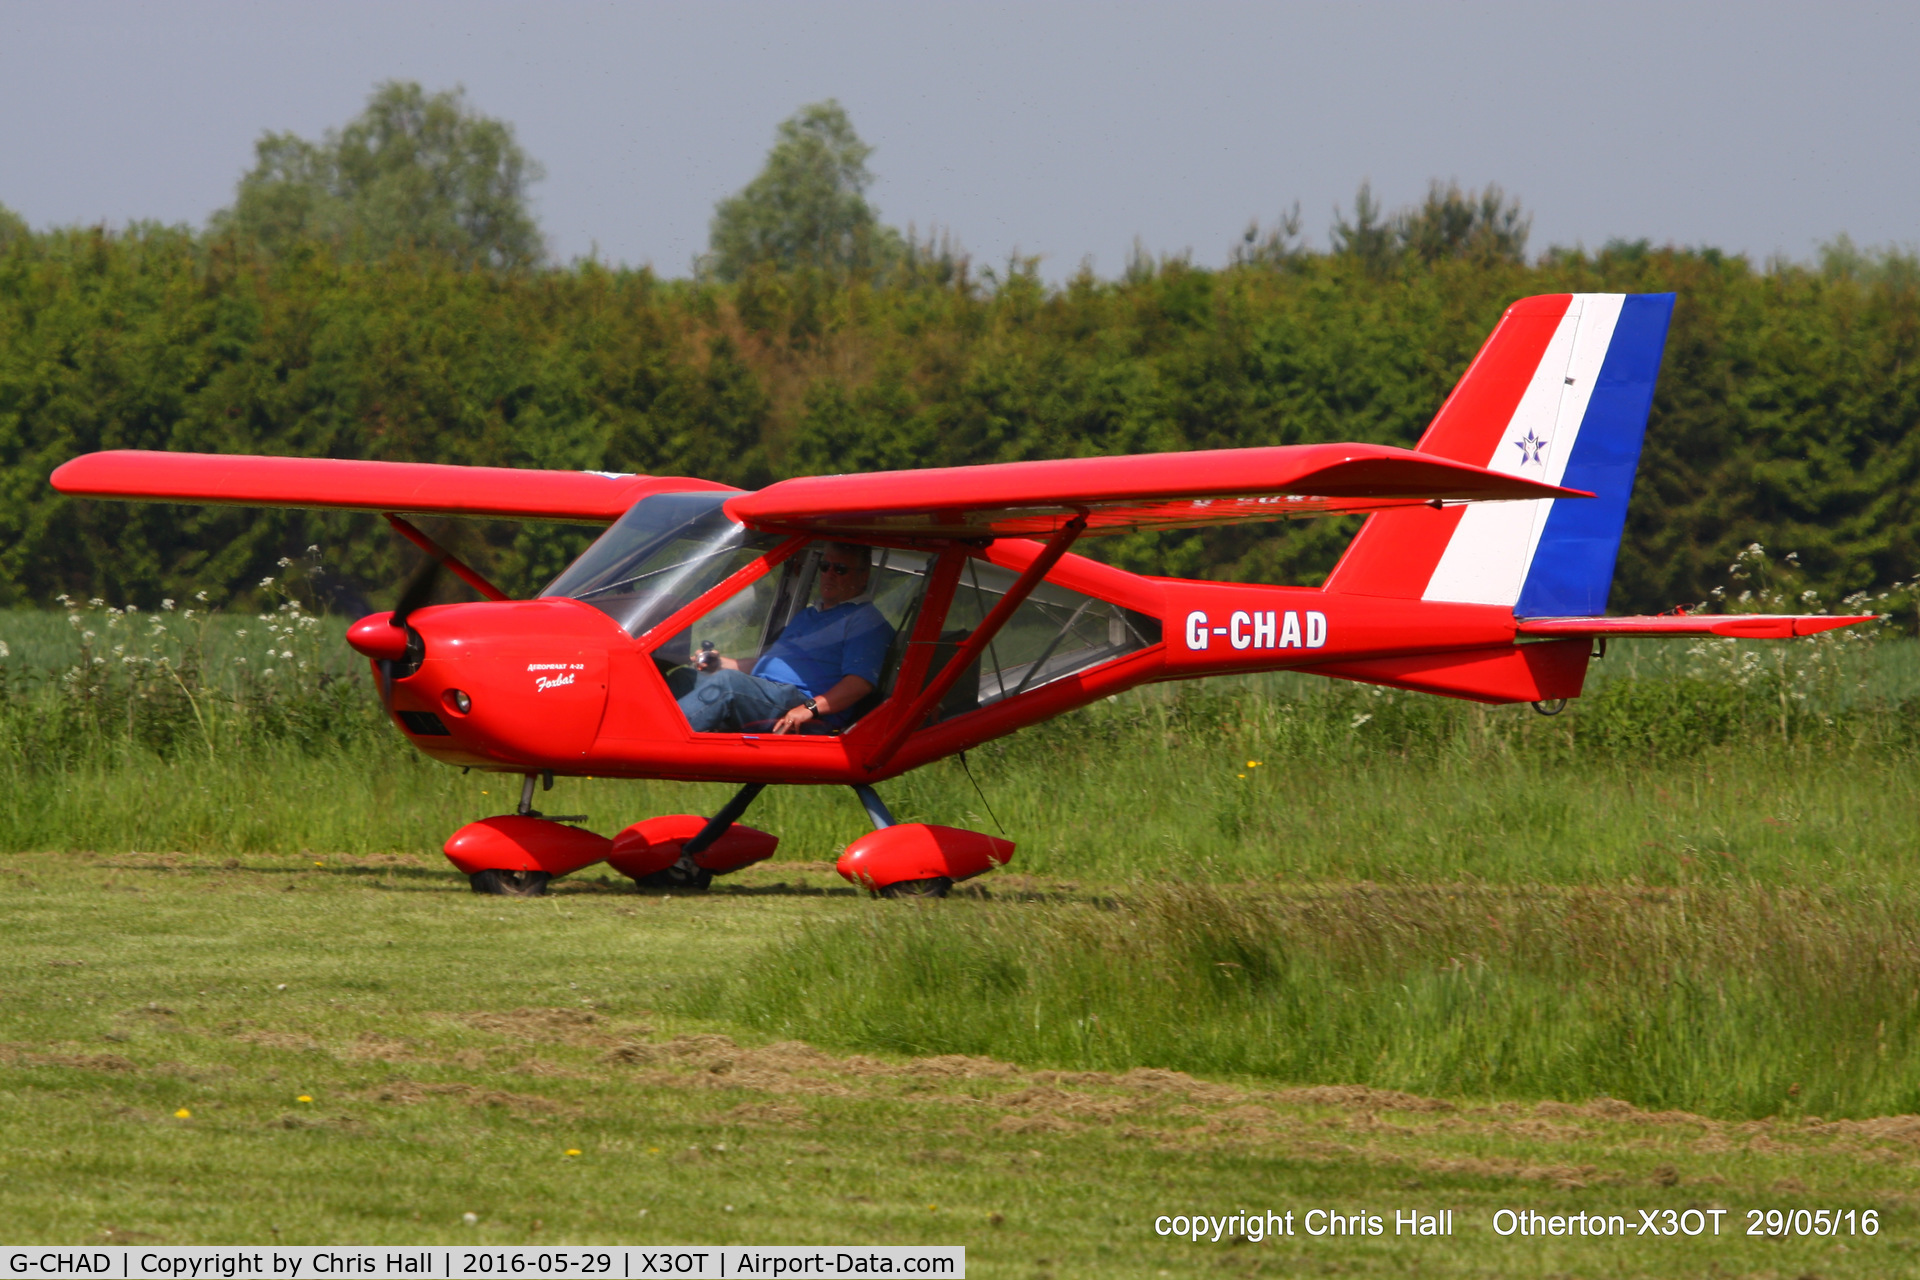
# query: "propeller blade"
[[418, 590]]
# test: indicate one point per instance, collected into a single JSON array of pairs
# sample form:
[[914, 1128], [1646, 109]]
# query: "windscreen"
[[662, 554]]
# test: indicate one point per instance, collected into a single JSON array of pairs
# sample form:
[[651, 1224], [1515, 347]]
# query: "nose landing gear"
[[510, 884], [517, 854]]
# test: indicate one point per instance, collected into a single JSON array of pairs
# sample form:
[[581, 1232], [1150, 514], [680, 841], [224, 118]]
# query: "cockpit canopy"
[[671, 549], [665, 552]]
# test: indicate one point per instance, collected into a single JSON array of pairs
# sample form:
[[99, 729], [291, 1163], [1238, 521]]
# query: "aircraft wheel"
[[931, 887], [675, 878], [510, 884]]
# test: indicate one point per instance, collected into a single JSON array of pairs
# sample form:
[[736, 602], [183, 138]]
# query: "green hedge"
[[1788, 412]]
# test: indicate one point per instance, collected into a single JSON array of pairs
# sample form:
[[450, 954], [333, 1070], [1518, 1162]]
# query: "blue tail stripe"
[[1572, 568]]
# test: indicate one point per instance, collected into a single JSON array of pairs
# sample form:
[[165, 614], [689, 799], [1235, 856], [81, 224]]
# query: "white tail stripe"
[[1492, 548]]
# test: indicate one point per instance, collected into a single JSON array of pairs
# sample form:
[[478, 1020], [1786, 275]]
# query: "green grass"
[[1400, 946], [456, 1049], [1732, 1002]]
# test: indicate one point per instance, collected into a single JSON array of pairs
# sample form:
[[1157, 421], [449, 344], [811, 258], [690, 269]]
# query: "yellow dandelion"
[[183, 1114], [1241, 776], [319, 864], [1253, 764], [305, 1097], [573, 1151]]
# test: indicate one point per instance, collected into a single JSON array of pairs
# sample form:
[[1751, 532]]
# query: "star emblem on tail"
[[1532, 447]]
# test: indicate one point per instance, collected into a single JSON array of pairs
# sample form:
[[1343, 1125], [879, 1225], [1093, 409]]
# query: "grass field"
[[1266, 944], [365, 1052]]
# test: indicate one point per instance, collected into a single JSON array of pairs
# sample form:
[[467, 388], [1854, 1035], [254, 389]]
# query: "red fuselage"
[[558, 684]]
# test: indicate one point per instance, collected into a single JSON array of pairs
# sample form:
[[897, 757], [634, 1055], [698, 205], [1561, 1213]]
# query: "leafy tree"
[[412, 171], [808, 206], [1485, 226], [1451, 223], [1275, 246], [1369, 237], [12, 227]]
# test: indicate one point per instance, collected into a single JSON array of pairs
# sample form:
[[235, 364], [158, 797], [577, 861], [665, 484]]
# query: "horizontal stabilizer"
[[1744, 626], [505, 493], [1500, 673], [1151, 490]]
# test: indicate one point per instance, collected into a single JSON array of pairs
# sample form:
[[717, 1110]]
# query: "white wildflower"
[[241, 633], [96, 603], [4, 651], [201, 596], [1361, 719], [285, 562], [167, 604], [266, 582]]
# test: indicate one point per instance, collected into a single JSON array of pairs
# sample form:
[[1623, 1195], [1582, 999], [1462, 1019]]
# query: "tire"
[[510, 884], [931, 887], [675, 878]]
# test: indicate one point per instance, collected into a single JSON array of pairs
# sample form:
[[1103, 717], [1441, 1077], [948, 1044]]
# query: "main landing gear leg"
[[882, 818], [877, 811], [686, 874]]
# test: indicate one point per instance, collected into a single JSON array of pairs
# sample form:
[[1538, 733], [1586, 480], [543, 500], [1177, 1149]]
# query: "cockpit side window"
[[864, 633], [1054, 633], [664, 553]]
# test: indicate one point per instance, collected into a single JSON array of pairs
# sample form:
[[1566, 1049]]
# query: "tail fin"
[[1560, 393]]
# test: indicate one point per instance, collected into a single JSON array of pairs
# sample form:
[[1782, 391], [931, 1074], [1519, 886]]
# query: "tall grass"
[[1742, 1002], [1791, 764]]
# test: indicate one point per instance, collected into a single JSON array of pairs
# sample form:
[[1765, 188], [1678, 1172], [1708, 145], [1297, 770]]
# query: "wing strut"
[[936, 689], [411, 532]]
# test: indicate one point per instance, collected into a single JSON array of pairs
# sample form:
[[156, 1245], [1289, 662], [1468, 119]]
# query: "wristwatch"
[[811, 708]]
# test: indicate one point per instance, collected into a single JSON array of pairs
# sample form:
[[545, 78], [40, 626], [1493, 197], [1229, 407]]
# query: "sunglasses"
[[840, 570]]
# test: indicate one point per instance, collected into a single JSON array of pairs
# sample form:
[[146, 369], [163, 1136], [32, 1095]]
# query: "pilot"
[[828, 659]]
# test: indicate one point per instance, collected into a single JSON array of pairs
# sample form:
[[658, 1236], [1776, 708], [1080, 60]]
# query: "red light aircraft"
[[1482, 572]]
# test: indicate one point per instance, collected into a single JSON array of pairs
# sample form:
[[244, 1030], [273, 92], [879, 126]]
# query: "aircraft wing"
[[507, 493], [1151, 490], [1743, 626]]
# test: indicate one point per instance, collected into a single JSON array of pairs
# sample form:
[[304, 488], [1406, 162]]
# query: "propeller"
[[417, 590]]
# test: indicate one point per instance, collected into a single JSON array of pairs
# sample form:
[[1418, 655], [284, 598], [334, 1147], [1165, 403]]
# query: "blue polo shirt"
[[820, 647]]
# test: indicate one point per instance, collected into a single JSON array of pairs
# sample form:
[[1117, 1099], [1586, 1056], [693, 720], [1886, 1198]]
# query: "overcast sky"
[[1064, 130]]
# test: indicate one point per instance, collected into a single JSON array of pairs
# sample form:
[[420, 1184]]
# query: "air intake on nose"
[[424, 724]]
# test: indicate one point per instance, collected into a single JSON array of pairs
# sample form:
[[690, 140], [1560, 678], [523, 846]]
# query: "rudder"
[[1559, 392]]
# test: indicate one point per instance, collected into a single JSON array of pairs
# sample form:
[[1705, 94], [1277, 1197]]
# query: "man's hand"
[[845, 692], [791, 722], [709, 660]]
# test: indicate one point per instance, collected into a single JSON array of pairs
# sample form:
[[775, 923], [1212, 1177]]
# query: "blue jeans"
[[726, 700]]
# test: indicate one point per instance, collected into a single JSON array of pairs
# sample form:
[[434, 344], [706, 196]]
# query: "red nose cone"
[[377, 637]]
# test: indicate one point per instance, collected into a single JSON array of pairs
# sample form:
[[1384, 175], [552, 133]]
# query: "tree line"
[[382, 293]]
